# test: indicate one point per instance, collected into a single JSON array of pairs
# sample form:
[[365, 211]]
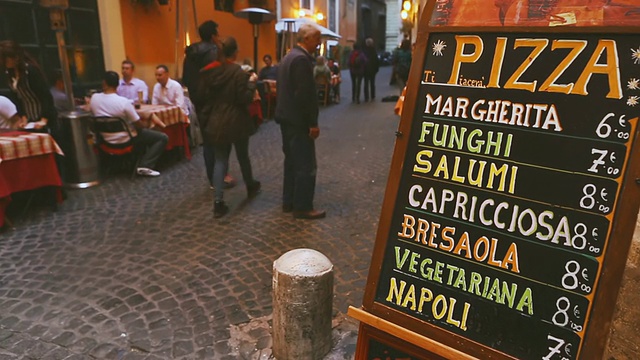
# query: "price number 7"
[[557, 348]]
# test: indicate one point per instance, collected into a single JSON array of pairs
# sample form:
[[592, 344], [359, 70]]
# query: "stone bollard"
[[302, 303]]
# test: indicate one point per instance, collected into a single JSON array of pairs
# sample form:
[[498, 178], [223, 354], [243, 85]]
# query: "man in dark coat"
[[297, 114], [370, 70]]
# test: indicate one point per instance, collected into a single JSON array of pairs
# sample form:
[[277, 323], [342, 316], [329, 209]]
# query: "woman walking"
[[224, 94]]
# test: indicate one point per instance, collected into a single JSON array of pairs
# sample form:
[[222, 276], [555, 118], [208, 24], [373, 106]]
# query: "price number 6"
[[604, 130]]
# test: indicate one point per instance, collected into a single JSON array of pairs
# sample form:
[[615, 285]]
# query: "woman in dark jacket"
[[29, 89], [223, 97]]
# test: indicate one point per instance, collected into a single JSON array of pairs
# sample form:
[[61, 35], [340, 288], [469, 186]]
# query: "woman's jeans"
[[221, 166]]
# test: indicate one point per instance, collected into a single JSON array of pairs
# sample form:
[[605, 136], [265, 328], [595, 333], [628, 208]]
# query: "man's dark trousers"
[[299, 168]]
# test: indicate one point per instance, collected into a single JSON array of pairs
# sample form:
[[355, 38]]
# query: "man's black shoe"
[[287, 208], [310, 215]]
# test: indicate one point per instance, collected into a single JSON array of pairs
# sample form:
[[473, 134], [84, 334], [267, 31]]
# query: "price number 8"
[[588, 201]]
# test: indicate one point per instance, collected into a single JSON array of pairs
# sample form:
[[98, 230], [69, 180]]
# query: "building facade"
[[100, 34]]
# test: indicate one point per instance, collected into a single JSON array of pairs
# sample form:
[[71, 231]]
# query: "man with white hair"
[[297, 114]]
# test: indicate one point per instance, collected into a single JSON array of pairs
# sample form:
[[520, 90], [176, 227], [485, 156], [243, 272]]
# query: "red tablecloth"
[[175, 124], [27, 173]]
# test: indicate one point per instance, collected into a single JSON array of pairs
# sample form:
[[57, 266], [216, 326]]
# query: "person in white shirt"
[[9, 118], [168, 91], [109, 103], [129, 85]]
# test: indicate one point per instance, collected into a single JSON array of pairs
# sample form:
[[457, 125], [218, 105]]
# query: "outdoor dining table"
[[169, 119], [27, 162]]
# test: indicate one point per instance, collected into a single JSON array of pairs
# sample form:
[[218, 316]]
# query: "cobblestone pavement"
[[139, 269]]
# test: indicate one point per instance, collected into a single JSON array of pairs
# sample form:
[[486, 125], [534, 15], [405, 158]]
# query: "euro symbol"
[[612, 157], [603, 194], [622, 121], [594, 233], [585, 275], [567, 349], [576, 311]]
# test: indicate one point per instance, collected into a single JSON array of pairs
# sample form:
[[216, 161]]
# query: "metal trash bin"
[[80, 161]]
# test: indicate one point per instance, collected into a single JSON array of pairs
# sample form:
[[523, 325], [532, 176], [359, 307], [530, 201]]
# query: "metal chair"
[[125, 147]]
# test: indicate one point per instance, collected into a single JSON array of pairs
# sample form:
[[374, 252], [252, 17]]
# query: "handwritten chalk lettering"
[[474, 141], [441, 306], [493, 289], [482, 249], [469, 49], [544, 226], [543, 116], [476, 175]]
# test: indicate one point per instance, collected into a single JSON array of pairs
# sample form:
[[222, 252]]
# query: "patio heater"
[[255, 16], [59, 25]]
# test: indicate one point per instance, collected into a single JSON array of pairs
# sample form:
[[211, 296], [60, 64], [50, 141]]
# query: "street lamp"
[[255, 16], [59, 25]]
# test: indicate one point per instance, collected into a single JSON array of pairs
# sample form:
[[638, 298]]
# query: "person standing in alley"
[[297, 114], [357, 65], [370, 70]]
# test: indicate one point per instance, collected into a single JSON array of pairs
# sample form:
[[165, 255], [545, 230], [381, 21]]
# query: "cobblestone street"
[[139, 269]]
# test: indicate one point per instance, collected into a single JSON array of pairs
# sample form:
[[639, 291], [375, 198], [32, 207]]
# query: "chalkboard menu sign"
[[509, 190]]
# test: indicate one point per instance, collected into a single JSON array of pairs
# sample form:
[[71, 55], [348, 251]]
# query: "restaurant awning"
[[324, 32]]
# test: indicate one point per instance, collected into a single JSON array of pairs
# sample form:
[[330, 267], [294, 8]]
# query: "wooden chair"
[[270, 94], [110, 125], [322, 86]]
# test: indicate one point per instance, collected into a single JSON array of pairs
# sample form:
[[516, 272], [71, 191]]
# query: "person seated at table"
[[336, 79], [109, 103], [321, 70], [269, 71], [129, 85], [9, 118], [60, 100], [168, 91], [28, 87]]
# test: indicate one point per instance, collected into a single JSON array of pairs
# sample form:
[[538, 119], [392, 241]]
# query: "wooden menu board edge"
[[407, 335], [606, 297], [366, 333], [438, 334]]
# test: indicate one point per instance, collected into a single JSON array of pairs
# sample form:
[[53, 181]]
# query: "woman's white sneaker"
[[147, 172]]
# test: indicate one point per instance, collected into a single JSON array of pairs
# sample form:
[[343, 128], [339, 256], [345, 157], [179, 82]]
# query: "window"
[[332, 16], [224, 5], [26, 22]]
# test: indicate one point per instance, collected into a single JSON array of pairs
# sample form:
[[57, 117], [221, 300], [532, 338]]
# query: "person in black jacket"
[[197, 56], [297, 114], [223, 98], [370, 70]]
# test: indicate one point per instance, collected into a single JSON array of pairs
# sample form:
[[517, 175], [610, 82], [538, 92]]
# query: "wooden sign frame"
[[613, 265]]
